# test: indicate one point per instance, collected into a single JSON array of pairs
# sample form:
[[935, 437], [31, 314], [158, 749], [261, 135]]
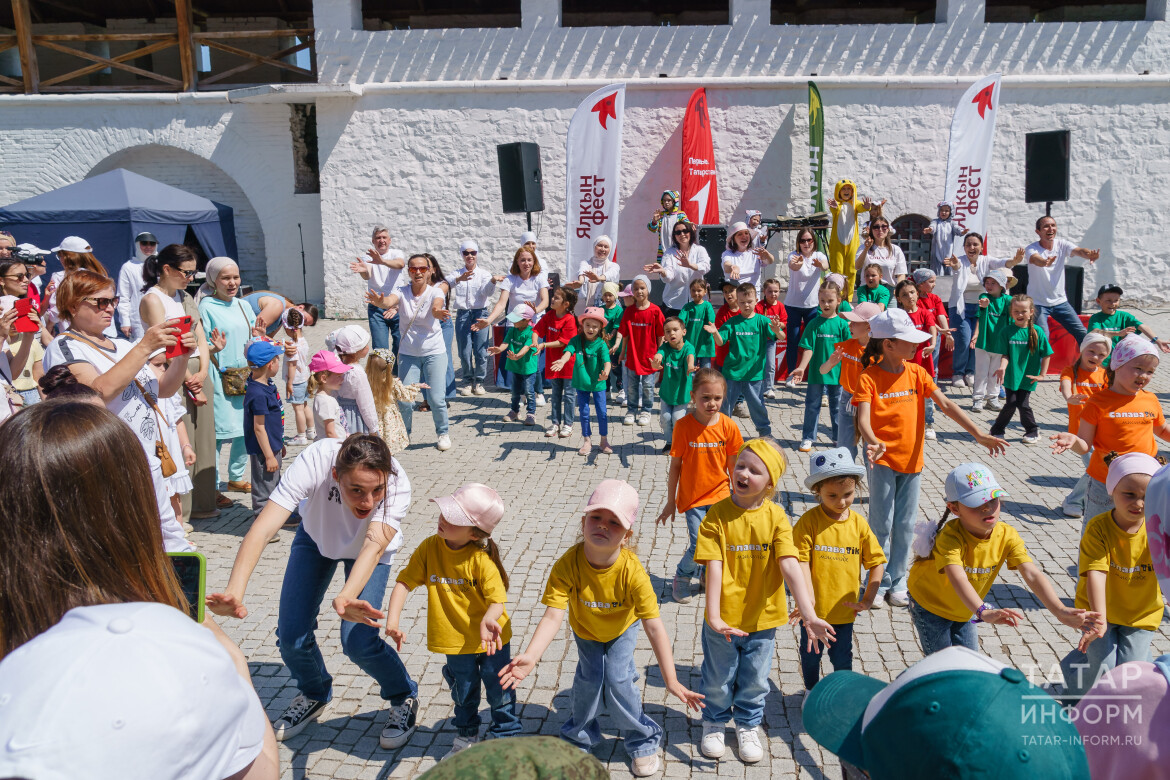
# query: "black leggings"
[[1016, 399]]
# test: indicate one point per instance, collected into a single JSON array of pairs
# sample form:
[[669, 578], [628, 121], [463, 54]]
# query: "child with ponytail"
[[1025, 353], [467, 587], [388, 392]]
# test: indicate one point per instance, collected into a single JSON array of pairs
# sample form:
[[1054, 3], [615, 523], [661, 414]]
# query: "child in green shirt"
[[747, 335], [1111, 321], [697, 313], [676, 360], [590, 372], [992, 305], [873, 290], [1025, 354], [613, 310], [520, 344], [817, 344]]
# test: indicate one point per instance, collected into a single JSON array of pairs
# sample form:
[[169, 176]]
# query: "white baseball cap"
[[895, 324], [972, 485], [126, 690], [350, 339], [73, 244]]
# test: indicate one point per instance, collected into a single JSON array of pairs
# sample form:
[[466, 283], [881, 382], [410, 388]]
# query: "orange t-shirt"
[[704, 450], [1125, 423], [850, 364], [1087, 384], [897, 412]]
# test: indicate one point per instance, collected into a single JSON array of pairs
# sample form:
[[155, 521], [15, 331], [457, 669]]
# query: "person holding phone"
[[98, 660], [14, 286], [352, 495]]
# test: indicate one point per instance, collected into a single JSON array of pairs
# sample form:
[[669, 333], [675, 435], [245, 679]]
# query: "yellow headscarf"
[[772, 458]]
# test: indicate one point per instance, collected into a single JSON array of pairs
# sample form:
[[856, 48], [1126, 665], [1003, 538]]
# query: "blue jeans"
[[1120, 645], [639, 391], [962, 319], [562, 400], [472, 345], [751, 393], [432, 370], [605, 681], [846, 424], [687, 566], [465, 673], [735, 676], [770, 364], [937, 633], [306, 581], [448, 339], [1076, 498], [812, 410], [522, 384], [798, 317], [668, 417], [1097, 501], [840, 654], [598, 399], [929, 411], [381, 330], [1066, 315], [893, 511], [237, 459]]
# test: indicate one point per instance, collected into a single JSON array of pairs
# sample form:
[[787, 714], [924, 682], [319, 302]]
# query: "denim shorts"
[[300, 393]]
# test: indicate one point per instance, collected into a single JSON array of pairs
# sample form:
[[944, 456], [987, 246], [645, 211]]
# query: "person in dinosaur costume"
[[845, 237]]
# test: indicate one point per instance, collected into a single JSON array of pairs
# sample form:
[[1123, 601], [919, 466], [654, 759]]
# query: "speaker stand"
[[1047, 210], [529, 215]]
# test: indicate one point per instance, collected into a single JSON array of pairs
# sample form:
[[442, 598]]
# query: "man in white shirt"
[[130, 286], [469, 295], [384, 275], [1046, 261]]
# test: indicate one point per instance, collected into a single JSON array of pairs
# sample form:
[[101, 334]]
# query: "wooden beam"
[[227, 35], [107, 62], [185, 22], [24, 41], [259, 60], [85, 71], [108, 37]]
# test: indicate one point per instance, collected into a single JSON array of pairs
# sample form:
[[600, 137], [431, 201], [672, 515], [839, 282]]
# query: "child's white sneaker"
[[769, 393], [644, 766], [566, 431], [644, 418], [741, 410], [1031, 438], [806, 446], [930, 434], [680, 589], [553, 430], [977, 404], [628, 419], [620, 398], [311, 434], [994, 404], [750, 749], [540, 399], [460, 744], [712, 745], [298, 441]]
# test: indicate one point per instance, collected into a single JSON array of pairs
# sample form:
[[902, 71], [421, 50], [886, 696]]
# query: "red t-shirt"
[[923, 319], [933, 303], [776, 310], [552, 328], [722, 316], [642, 331]]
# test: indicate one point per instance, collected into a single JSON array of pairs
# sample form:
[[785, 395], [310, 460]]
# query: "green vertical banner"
[[816, 157]]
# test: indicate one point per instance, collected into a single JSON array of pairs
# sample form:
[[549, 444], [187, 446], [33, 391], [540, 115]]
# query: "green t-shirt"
[[821, 337], [515, 340], [591, 359], [879, 294], [613, 318], [1022, 363], [747, 342], [1118, 320], [693, 319], [844, 306], [676, 379], [989, 319]]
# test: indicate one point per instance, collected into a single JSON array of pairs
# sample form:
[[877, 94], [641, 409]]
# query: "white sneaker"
[[750, 749], [680, 589], [741, 410], [977, 404], [930, 434], [712, 745], [824, 401], [479, 390], [994, 404], [628, 419], [552, 430], [311, 434], [898, 598], [566, 431], [769, 393], [790, 382], [540, 399], [879, 601], [1070, 510], [459, 745], [1031, 439], [298, 441], [465, 391], [969, 380], [620, 398], [806, 446], [399, 725], [444, 443], [644, 766], [644, 418]]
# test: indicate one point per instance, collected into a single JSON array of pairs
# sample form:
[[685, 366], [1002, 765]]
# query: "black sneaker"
[[299, 714], [399, 725]]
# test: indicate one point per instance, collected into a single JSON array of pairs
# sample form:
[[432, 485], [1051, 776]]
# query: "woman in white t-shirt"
[[684, 262], [525, 283], [352, 497], [879, 250], [108, 630], [742, 263], [805, 267], [422, 351], [118, 371]]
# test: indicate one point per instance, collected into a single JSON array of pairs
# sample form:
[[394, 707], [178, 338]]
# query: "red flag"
[[700, 191]]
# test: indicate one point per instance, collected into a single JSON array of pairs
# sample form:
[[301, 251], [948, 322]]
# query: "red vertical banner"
[[700, 190]]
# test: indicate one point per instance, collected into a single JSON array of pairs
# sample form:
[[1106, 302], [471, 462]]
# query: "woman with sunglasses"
[[14, 283], [473, 287], [880, 250], [684, 262], [805, 267]]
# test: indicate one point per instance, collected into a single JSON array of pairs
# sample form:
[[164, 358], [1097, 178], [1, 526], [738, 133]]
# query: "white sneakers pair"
[[748, 739]]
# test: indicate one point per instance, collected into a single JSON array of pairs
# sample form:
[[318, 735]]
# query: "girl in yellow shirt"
[[1117, 577], [466, 590], [959, 560], [602, 585]]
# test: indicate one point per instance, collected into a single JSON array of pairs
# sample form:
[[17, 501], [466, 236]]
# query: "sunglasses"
[[19, 277], [147, 243], [470, 253], [103, 303], [807, 241], [880, 227], [188, 274]]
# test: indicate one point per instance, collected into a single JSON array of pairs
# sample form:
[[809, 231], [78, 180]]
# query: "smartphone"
[[23, 322], [184, 325], [191, 569]]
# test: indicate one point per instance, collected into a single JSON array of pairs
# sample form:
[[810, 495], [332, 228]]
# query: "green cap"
[[955, 714]]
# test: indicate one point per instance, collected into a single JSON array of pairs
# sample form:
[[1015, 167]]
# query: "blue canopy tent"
[[110, 209]]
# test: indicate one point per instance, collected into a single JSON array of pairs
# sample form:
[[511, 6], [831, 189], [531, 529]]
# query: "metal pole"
[[304, 269], [529, 215], [1048, 209]]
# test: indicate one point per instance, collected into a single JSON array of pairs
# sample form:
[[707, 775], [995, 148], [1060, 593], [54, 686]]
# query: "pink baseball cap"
[[521, 312], [627, 291], [863, 312], [327, 361], [473, 504], [1130, 463], [1124, 721], [618, 497], [594, 313]]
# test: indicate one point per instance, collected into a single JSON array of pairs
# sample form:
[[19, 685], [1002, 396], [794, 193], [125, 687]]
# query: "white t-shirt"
[[968, 282], [1046, 285], [804, 282], [749, 265], [113, 683], [130, 291], [676, 292], [420, 333], [386, 280], [133, 410], [300, 363], [473, 293], [523, 290], [892, 261], [325, 407], [339, 535]]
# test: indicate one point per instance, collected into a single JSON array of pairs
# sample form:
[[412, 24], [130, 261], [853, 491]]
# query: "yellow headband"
[[771, 457]]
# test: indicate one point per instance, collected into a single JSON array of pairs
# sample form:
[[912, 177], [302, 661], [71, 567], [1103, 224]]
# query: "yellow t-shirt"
[[1132, 596], [750, 542], [460, 586], [980, 558], [602, 603], [836, 553]]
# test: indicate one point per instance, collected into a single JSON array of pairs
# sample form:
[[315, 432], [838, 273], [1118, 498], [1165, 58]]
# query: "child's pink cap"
[[474, 504], [1130, 463], [327, 361], [627, 291], [594, 313], [863, 312], [618, 497], [837, 279]]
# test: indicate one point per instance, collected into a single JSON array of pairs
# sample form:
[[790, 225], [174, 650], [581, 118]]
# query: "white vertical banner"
[[969, 158], [593, 154]]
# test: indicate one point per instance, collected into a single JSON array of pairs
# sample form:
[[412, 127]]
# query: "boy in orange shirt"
[[848, 354], [702, 455]]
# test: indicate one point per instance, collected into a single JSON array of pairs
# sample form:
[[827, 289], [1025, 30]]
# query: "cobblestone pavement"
[[545, 484]]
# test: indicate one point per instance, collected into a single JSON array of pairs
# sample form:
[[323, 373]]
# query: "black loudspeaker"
[[1074, 283], [521, 183], [713, 238], [1046, 169]]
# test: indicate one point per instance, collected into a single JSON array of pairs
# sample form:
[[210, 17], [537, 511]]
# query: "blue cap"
[[260, 353]]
